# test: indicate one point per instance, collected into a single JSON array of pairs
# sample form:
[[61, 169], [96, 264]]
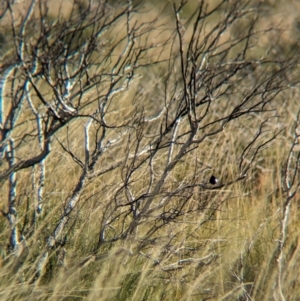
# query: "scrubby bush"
[[148, 152]]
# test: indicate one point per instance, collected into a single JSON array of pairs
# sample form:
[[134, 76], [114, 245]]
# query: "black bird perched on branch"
[[213, 180]]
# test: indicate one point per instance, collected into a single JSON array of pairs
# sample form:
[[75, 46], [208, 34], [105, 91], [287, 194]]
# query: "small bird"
[[213, 180]]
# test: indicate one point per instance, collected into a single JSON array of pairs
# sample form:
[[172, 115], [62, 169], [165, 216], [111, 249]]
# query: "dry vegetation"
[[114, 117]]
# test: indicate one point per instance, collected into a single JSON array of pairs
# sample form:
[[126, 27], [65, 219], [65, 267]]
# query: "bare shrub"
[[116, 123]]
